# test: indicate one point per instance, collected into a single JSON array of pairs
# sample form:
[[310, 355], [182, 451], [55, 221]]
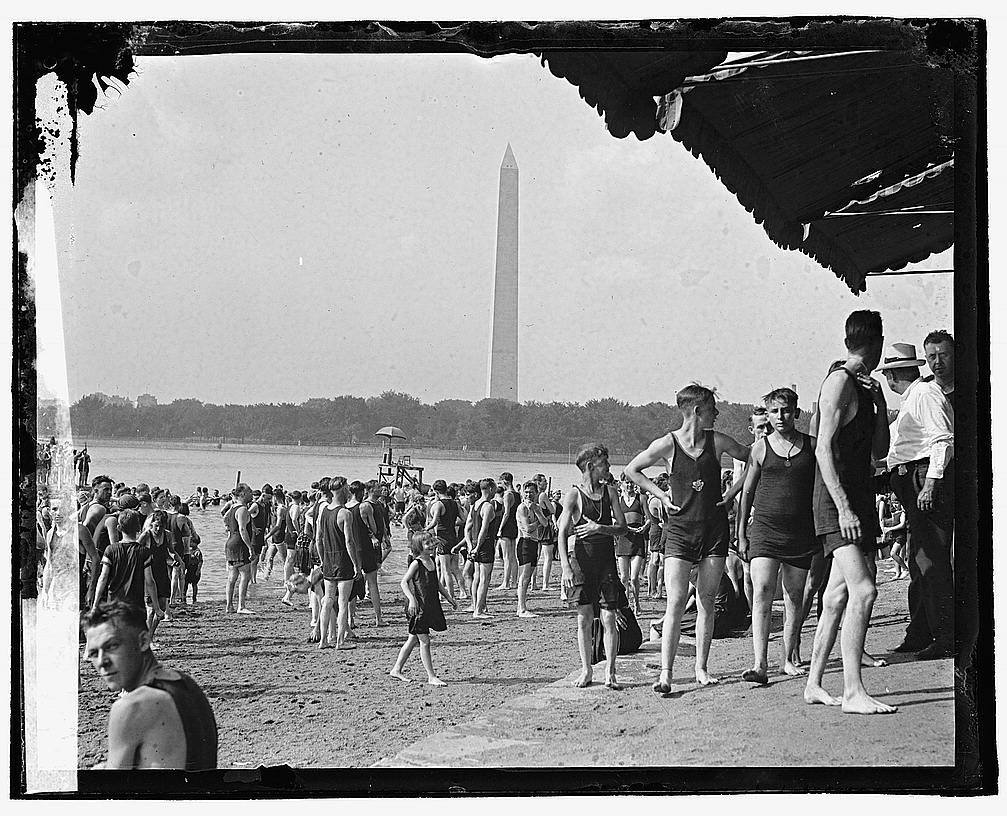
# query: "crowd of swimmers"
[[800, 517]]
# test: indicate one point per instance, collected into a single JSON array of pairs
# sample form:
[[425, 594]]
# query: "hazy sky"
[[235, 216]]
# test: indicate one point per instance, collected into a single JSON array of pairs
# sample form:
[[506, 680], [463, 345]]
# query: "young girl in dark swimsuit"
[[423, 606]]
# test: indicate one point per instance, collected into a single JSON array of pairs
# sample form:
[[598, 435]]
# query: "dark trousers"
[[931, 574]]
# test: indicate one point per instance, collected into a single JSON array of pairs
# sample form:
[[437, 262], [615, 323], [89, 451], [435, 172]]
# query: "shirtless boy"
[[533, 529]]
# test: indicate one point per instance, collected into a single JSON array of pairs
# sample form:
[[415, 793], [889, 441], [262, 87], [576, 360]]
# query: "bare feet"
[[871, 662], [325, 644], [398, 675], [228, 610], [793, 670], [314, 636], [435, 681], [245, 611], [481, 616], [817, 695], [526, 614], [612, 683], [346, 646], [584, 680], [863, 703], [704, 678]]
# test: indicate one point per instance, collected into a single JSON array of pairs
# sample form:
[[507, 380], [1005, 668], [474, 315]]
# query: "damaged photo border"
[[69, 55]]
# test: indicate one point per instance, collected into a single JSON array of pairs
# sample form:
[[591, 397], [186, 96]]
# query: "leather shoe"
[[910, 646], [935, 651]]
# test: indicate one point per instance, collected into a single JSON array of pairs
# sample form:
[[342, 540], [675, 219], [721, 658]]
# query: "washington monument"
[[503, 342]]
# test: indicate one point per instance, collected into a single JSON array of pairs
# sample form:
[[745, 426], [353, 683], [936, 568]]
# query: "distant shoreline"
[[418, 454]]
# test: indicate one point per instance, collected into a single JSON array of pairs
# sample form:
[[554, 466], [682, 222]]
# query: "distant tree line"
[[490, 424]]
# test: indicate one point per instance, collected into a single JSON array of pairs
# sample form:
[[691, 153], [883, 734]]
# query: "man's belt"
[[902, 470]]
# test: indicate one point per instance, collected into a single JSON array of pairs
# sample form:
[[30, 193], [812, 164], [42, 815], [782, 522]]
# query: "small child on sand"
[[193, 569], [423, 606]]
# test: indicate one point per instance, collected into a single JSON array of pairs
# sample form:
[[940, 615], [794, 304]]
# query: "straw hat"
[[901, 355]]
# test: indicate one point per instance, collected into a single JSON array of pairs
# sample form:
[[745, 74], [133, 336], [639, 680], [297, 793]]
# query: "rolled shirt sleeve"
[[937, 423]]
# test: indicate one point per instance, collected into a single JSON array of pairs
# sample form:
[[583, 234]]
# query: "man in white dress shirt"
[[921, 460]]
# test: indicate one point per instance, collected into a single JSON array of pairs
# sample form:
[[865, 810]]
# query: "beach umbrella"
[[390, 432]]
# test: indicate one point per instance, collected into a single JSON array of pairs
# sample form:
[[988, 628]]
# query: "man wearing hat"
[[921, 460]]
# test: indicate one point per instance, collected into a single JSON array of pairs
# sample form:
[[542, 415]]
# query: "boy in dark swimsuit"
[[480, 531], [779, 481], [852, 426], [508, 533], [592, 513], [163, 720], [696, 531]]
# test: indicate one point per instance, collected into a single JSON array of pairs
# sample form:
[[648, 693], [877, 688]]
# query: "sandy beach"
[[278, 700]]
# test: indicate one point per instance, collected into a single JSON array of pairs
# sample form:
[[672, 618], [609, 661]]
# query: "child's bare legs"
[[400, 661], [902, 570], [232, 580], [508, 552], [288, 572], [524, 577], [746, 569], [655, 575], [375, 593], [794, 580], [456, 573], [152, 621], [625, 574], [763, 571], [343, 621], [707, 584], [636, 567], [325, 614], [480, 588], [610, 636], [428, 661], [676, 581], [468, 572], [548, 556], [585, 643], [315, 605]]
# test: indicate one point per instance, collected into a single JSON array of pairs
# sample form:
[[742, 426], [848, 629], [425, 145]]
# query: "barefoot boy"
[[697, 531], [591, 512], [852, 425], [780, 480]]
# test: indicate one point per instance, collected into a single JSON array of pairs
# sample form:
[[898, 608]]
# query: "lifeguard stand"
[[401, 471]]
